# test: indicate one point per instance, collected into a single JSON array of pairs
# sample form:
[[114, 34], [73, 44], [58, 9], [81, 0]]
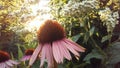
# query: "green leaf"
[[32, 44], [93, 54], [114, 52], [86, 37], [92, 31], [61, 66], [82, 65], [12, 56], [20, 53], [76, 37], [105, 38]]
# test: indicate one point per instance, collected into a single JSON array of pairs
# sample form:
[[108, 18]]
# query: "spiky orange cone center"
[[50, 31]]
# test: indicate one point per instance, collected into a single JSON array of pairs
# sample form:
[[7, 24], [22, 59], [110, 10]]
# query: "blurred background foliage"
[[94, 24]]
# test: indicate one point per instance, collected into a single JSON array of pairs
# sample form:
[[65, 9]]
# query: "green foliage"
[[20, 53], [76, 37], [92, 31], [13, 16], [105, 38], [93, 54], [113, 53], [90, 23], [86, 23]]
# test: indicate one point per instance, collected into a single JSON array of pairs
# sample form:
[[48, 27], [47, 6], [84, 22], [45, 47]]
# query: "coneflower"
[[5, 61], [28, 54], [53, 44]]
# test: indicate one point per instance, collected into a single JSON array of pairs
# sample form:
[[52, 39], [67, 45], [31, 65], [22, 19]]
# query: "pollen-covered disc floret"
[[50, 31], [4, 56]]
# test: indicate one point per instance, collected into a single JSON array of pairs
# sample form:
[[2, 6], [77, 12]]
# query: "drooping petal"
[[28, 57], [49, 55], [35, 54], [2, 65], [56, 52], [6, 65], [23, 58], [43, 55], [71, 48], [9, 63], [60, 50], [75, 45], [13, 62], [64, 50]]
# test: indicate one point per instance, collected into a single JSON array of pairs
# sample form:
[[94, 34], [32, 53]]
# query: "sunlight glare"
[[33, 25], [38, 20]]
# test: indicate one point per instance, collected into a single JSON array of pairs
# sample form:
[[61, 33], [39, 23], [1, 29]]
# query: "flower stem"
[[55, 64]]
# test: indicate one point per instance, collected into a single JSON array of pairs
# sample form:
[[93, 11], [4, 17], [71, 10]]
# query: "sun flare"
[[39, 16]]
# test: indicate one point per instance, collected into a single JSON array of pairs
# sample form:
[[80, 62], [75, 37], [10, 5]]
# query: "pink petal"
[[23, 58], [2, 65], [71, 48], [49, 55], [28, 57], [56, 52], [35, 54], [43, 55], [13, 62], [64, 50], [60, 50], [7, 67], [75, 45], [9, 63]]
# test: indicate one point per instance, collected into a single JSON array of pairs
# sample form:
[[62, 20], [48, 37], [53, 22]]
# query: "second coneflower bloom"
[[5, 61], [28, 54], [53, 44]]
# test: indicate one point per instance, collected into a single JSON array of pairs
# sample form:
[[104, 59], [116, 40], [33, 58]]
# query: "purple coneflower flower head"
[[28, 54], [5, 61], [53, 45]]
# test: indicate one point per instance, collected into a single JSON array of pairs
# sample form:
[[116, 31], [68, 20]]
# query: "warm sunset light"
[[59, 33], [40, 16]]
